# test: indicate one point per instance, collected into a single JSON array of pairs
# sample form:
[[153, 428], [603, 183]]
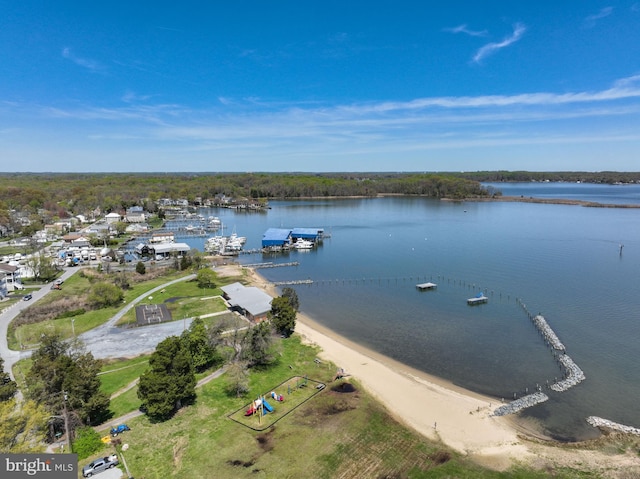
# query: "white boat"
[[303, 244]]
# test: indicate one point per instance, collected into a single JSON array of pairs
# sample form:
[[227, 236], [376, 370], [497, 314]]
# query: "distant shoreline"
[[547, 201]]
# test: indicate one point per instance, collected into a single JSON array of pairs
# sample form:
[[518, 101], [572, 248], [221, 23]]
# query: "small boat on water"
[[425, 286]]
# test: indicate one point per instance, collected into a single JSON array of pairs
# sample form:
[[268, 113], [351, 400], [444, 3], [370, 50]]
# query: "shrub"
[[87, 442]]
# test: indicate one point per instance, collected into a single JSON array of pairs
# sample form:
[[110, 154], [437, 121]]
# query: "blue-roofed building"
[[276, 238]]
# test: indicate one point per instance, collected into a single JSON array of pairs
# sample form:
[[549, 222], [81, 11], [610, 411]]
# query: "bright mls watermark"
[[48, 466]]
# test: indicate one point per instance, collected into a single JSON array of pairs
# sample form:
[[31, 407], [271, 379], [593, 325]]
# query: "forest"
[[64, 193]]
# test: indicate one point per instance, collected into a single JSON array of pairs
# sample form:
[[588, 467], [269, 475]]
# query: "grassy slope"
[[334, 434]]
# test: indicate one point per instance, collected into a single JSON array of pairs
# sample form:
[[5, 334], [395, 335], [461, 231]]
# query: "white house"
[[113, 218], [9, 278]]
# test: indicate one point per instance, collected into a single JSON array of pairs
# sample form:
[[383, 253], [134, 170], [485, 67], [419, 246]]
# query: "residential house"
[[135, 214], [113, 218], [9, 277]]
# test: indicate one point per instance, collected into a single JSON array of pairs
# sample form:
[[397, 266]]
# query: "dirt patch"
[[265, 441], [440, 457], [239, 463], [344, 388], [337, 407]]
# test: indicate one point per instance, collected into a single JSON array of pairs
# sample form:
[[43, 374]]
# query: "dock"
[[425, 286], [479, 299]]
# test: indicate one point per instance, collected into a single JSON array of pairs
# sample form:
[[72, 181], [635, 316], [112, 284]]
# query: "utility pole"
[[65, 414]]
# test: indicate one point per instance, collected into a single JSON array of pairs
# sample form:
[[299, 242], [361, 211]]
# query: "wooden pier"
[[298, 281]]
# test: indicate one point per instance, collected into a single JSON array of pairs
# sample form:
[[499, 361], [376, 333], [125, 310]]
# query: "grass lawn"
[[340, 431], [187, 305], [125, 402], [116, 375]]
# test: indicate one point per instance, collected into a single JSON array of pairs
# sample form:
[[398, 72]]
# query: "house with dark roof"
[[251, 302]]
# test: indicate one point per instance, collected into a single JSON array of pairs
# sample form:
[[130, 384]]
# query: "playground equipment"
[[260, 406], [277, 397]]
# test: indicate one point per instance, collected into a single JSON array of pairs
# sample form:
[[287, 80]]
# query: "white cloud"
[[490, 48], [463, 29], [83, 62], [591, 20]]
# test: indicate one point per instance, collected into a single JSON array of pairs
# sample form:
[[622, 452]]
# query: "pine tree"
[[170, 381]]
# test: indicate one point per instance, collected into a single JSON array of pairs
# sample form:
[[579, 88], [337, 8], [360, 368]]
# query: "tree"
[[24, 427], [8, 388], [237, 378], [292, 296], [121, 227], [282, 316], [258, 342], [64, 379], [140, 268], [87, 442], [170, 381], [42, 267], [205, 278], [196, 340], [103, 295]]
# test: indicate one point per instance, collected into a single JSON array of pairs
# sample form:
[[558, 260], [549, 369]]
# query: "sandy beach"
[[437, 409], [442, 411]]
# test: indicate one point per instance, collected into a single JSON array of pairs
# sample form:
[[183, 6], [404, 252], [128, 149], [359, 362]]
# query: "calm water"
[[561, 261]]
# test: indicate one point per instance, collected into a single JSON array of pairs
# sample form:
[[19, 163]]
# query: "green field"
[[337, 432]]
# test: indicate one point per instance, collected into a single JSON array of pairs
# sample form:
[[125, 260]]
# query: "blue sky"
[[331, 85]]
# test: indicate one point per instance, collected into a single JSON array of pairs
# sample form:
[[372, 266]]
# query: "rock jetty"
[[574, 374], [596, 421], [548, 333], [520, 404]]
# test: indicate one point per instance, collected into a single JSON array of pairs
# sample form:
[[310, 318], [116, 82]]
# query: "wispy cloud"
[[591, 20], [253, 132], [91, 65], [463, 29], [490, 48]]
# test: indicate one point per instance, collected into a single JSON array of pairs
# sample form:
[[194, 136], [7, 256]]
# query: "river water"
[[579, 267]]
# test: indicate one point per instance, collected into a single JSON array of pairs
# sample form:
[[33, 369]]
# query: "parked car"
[[120, 428], [100, 465], [58, 282], [27, 297], [18, 286]]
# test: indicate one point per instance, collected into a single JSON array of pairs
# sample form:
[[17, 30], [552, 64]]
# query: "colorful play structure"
[[260, 406]]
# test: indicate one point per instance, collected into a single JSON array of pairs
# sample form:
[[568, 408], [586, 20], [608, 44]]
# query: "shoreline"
[[432, 406]]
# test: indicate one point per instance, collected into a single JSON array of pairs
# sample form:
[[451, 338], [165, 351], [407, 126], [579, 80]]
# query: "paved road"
[[10, 356], [108, 341], [105, 341]]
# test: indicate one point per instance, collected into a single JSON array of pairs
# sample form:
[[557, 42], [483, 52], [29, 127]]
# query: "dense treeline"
[[62, 193], [608, 177]]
